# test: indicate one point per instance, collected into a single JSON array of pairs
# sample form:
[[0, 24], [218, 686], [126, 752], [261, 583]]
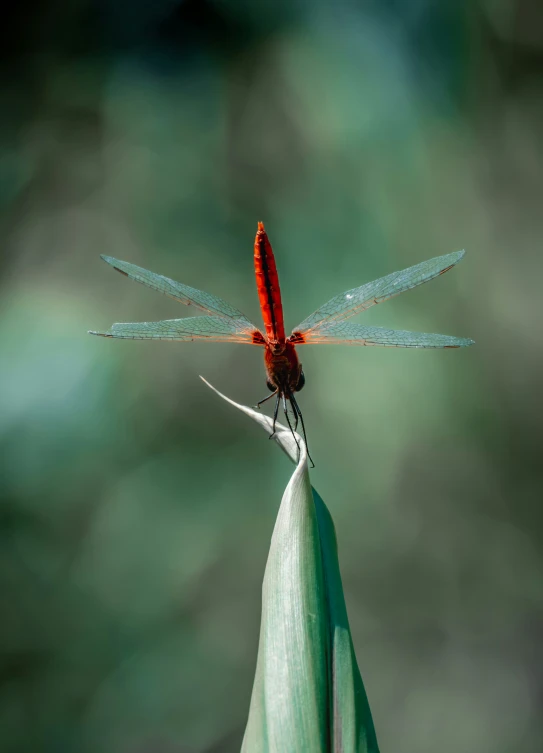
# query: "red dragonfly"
[[285, 377]]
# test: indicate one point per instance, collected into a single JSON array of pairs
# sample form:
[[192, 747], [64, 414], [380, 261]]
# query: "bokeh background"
[[137, 507]]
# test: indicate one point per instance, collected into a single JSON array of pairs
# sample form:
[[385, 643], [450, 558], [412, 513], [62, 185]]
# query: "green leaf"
[[308, 693]]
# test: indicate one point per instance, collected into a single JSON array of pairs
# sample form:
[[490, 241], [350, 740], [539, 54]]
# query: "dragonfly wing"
[[211, 304], [354, 301], [354, 334], [212, 328]]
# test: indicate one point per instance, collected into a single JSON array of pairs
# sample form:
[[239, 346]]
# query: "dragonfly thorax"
[[283, 370]]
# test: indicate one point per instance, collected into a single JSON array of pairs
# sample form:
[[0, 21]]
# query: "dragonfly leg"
[[266, 398], [285, 408], [295, 413], [275, 412], [298, 412]]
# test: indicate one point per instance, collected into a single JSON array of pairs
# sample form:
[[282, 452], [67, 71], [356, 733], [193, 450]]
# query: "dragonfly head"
[[286, 383]]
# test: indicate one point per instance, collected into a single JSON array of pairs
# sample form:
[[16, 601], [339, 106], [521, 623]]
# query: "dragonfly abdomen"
[[269, 293]]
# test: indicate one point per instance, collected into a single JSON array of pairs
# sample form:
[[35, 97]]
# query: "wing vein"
[[351, 302], [354, 334], [214, 328], [211, 304]]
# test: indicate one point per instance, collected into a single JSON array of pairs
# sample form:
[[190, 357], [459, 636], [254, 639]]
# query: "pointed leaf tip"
[[282, 435]]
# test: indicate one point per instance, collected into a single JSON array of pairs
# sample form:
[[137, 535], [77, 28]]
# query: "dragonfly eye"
[[301, 381], [270, 386]]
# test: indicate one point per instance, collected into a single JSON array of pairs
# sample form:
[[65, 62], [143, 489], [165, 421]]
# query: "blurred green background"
[[137, 507]]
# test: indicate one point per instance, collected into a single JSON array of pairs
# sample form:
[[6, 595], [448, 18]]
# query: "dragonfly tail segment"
[[269, 293]]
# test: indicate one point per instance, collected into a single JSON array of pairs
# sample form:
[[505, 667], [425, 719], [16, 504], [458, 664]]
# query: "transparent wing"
[[354, 334], [211, 304], [353, 301], [212, 328]]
